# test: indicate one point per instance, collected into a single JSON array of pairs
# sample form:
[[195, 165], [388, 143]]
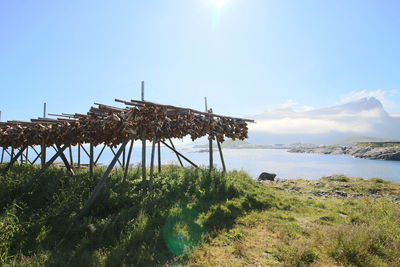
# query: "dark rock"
[[265, 176]]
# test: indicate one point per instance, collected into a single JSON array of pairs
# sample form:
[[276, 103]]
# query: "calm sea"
[[279, 161]]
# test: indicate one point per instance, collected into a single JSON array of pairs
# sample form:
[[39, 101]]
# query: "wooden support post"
[[71, 158], [112, 150], [21, 158], [211, 153], [26, 155], [128, 160], [43, 157], [37, 157], [185, 158], [98, 157], [12, 153], [177, 154], [153, 148], [13, 160], [159, 157], [144, 156], [221, 156], [84, 150], [2, 156], [65, 160], [91, 160], [52, 159], [123, 158], [79, 155], [103, 179]]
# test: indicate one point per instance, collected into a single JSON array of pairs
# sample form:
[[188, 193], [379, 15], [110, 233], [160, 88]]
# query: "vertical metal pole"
[[44, 110], [91, 154]]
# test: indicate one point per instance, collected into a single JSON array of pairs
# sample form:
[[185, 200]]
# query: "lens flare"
[[216, 12]]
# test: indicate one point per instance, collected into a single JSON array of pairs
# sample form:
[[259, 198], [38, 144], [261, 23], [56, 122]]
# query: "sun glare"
[[219, 3]]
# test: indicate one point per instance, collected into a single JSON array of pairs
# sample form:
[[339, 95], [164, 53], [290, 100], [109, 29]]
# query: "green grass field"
[[194, 218]]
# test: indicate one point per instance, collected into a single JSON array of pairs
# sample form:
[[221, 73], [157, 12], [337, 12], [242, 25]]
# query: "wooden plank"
[[101, 152], [12, 161], [71, 158], [221, 156], [177, 154], [2, 156], [159, 157], [112, 150], [65, 160], [84, 149], [43, 154], [91, 155], [144, 156], [185, 158], [128, 160], [52, 159], [152, 162], [100, 184], [79, 155]]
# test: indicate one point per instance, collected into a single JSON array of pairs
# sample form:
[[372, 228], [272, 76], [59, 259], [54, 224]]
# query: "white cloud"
[[381, 95], [290, 103]]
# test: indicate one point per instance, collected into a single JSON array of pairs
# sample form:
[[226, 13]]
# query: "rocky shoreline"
[[377, 151]]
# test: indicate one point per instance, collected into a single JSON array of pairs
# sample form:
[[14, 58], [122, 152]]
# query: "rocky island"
[[368, 150]]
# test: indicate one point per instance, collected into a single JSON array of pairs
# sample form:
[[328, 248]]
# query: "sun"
[[219, 3]]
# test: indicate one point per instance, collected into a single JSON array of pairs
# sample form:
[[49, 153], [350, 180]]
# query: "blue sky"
[[245, 56]]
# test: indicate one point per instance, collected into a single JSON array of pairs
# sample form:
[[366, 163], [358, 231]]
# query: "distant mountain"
[[352, 140], [364, 117]]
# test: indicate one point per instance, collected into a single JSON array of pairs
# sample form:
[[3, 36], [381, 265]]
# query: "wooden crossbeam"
[[177, 154], [13, 160], [100, 184], [221, 156], [128, 160], [185, 158], [52, 159]]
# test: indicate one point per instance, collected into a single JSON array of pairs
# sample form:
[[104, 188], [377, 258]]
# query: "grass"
[[196, 218], [127, 225], [312, 231]]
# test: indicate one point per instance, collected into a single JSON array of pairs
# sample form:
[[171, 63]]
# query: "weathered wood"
[[128, 160], [79, 155], [65, 160], [34, 149], [2, 156], [98, 157], [12, 161], [144, 156], [112, 150], [153, 148], [185, 158], [100, 184], [71, 158], [159, 157], [43, 153], [37, 157], [177, 154], [84, 150], [221, 156], [52, 159], [91, 155]]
